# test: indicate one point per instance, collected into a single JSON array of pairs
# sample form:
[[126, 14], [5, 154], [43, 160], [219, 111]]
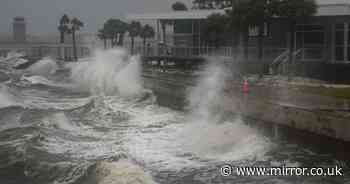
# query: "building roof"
[[335, 9], [192, 14]]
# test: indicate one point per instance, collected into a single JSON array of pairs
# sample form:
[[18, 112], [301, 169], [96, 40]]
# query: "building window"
[[311, 40], [339, 38], [342, 42], [254, 30], [339, 53], [311, 34], [183, 27]]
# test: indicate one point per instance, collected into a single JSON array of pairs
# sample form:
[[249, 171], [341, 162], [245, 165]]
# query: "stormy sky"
[[42, 15]]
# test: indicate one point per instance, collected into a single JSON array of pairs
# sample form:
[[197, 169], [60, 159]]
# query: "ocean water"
[[93, 122]]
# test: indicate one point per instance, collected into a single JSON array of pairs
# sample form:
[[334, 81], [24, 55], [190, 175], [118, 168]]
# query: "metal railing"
[[63, 52], [312, 54], [280, 64], [269, 54], [184, 51], [274, 56]]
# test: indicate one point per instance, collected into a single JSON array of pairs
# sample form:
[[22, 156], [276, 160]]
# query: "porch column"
[[158, 39], [193, 38], [332, 47], [199, 37], [158, 31], [346, 30]]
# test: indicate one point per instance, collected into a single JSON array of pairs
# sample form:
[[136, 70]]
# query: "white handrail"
[[280, 57]]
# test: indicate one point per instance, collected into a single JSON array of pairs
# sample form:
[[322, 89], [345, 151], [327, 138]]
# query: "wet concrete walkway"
[[280, 102]]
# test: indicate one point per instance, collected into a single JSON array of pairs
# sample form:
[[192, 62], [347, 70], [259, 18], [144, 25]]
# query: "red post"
[[245, 86]]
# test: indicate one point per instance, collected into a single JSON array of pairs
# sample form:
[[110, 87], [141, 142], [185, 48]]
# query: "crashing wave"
[[7, 99], [20, 62], [109, 72], [44, 67], [121, 172], [38, 80]]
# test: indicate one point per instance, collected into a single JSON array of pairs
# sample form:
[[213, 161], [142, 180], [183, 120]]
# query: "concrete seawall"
[[262, 105]]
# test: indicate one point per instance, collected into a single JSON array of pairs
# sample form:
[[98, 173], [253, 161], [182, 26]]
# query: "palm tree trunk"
[[121, 40], [132, 45], [62, 37], [261, 42], [105, 43], [216, 41], [164, 32], [74, 46], [144, 46], [113, 41]]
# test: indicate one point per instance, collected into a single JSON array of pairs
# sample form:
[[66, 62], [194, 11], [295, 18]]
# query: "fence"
[[268, 53], [52, 50]]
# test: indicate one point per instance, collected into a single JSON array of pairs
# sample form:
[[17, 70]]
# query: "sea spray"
[[209, 134], [205, 99], [109, 72], [44, 67], [6, 98], [121, 172]]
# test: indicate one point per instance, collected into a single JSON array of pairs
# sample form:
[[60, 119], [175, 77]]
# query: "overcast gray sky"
[[42, 15]]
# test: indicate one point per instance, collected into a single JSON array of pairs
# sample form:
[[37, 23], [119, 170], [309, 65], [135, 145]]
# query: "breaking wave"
[[121, 172], [6, 98], [36, 80], [219, 138], [44, 67], [116, 134], [110, 72]]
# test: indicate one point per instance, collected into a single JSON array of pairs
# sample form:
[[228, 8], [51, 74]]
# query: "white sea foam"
[[44, 67], [60, 121], [14, 54], [19, 62], [200, 134], [110, 72], [122, 172], [6, 98], [36, 79], [228, 141], [59, 104], [206, 98], [159, 137]]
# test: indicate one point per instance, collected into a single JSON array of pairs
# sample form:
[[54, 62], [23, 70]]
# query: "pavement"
[[289, 94]]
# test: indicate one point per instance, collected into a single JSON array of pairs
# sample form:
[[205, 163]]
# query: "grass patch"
[[324, 91]]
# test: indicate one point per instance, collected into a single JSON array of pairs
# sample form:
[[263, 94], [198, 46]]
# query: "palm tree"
[[214, 29], [179, 6], [134, 31], [121, 28], [292, 10], [146, 32], [115, 30], [76, 25], [63, 27], [102, 35]]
